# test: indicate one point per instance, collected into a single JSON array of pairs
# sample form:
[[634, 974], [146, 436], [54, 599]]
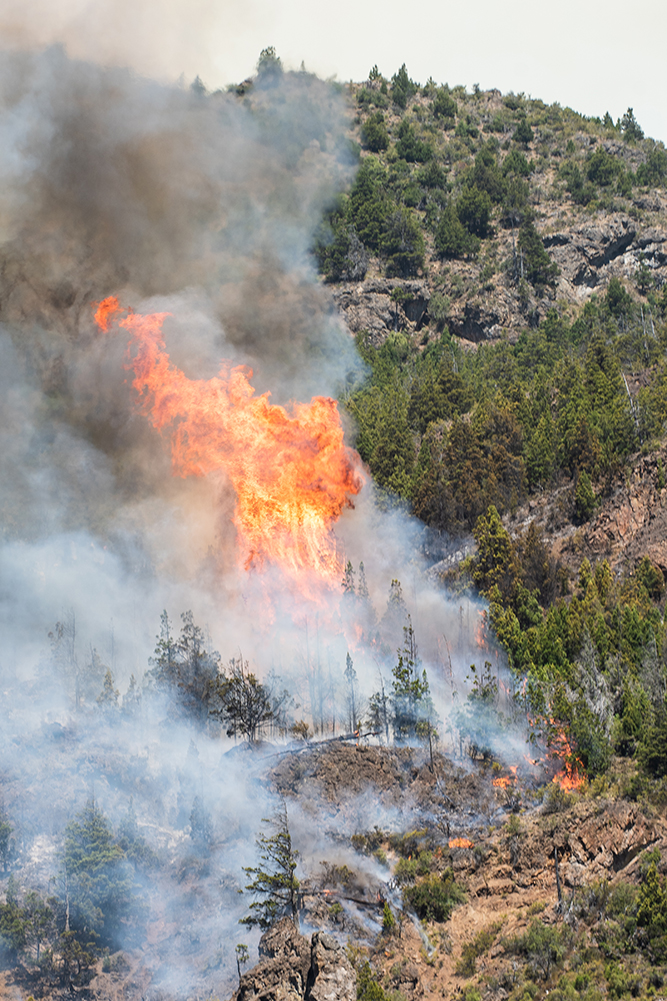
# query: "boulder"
[[294, 968], [332, 975], [283, 969]]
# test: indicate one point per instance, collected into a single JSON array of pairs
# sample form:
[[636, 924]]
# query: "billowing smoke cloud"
[[203, 207]]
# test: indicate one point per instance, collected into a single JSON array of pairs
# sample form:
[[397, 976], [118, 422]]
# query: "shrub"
[[602, 167], [523, 133], [452, 239], [618, 301], [444, 106], [374, 133], [474, 210], [654, 172], [409, 146], [432, 176], [515, 163], [470, 952], [434, 897], [582, 192], [368, 989], [543, 945]]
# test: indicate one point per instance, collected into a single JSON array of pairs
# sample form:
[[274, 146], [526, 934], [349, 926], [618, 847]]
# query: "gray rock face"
[[294, 968], [581, 252], [283, 968], [333, 976], [478, 322], [369, 306]]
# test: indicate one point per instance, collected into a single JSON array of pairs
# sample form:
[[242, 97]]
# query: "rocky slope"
[[613, 235], [508, 872]]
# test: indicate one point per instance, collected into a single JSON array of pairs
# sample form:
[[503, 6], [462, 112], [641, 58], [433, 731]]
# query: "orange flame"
[[505, 781], [460, 843], [572, 775], [292, 473]]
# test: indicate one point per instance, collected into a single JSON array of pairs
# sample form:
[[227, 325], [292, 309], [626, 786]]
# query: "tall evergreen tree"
[[274, 883]]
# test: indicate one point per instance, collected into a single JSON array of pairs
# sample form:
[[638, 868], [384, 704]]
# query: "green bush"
[[523, 133], [602, 167], [374, 133], [543, 945], [368, 988], [432, 176], [653, 173], [409, 146], [452, 239], [444, 106], [434, 897], [515, 163], [582, 191], [473, 208]]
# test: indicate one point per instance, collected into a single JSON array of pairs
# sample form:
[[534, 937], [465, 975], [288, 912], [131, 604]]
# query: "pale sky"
[[591, 55]]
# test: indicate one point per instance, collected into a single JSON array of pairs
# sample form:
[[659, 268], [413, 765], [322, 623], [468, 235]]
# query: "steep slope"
[[593, 191]]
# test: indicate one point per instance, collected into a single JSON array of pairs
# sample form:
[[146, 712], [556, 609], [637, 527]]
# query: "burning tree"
[[274, 884]]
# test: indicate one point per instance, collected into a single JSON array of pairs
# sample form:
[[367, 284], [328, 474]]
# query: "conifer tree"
[[107, 700], [274, 883], [97, 883], [410, 698], [351, 695]]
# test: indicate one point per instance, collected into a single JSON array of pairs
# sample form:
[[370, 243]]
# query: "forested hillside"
[[520, 432]]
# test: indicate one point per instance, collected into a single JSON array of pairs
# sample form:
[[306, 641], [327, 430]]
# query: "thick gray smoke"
[[203, 206]]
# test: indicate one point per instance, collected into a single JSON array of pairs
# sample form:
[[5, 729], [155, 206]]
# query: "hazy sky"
[[592, 55]]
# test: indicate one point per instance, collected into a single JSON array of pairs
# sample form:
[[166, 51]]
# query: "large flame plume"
[[292, 473]]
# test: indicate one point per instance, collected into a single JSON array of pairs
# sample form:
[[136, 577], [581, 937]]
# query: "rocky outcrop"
[[368, 306], [478, 322], [606, 843], [581, 252], [332, 976], [588, 253], [294, 968], [633, 522]]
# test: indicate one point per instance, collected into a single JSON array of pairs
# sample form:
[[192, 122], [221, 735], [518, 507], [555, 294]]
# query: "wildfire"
[[460, 843], [292, 473], [572, 775], [505, 781]]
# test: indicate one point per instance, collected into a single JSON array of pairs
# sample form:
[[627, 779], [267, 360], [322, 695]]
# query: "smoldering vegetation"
[[127, 743]]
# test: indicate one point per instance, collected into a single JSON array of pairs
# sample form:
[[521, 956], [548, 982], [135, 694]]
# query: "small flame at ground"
[[460, 843], [572, 775], [292, 473], [505, 781]]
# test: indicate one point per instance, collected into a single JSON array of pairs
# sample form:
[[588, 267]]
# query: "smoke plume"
[[202, 206]]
